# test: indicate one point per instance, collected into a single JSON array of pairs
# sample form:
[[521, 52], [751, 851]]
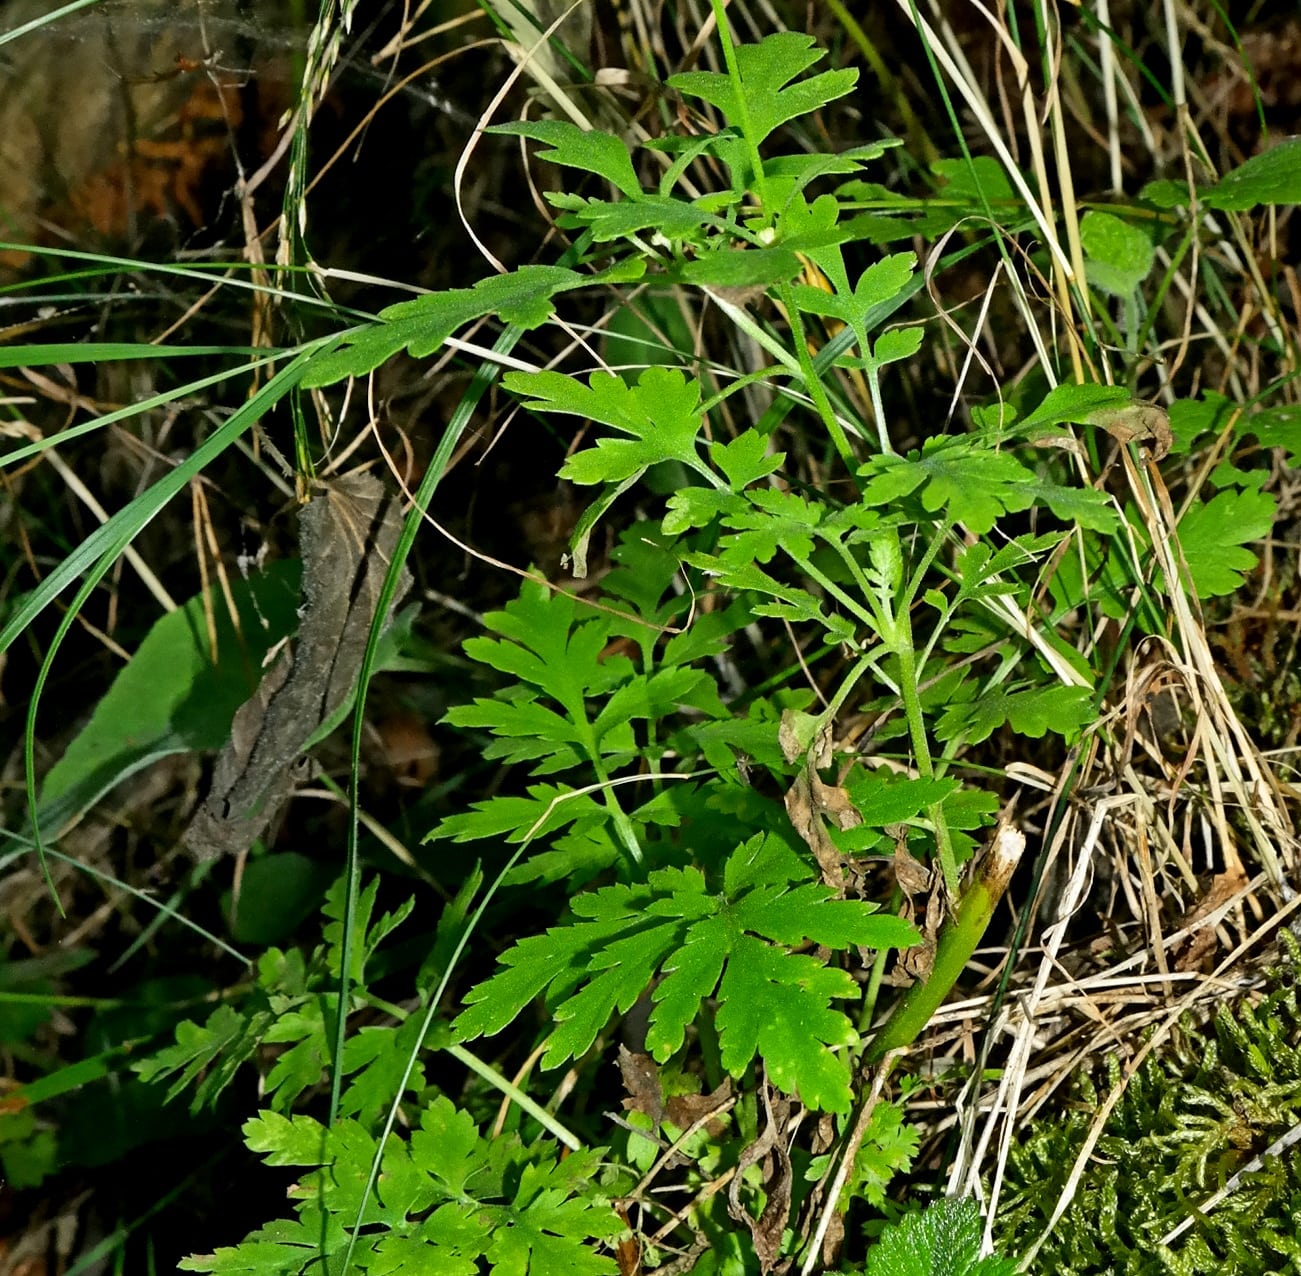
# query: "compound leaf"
[[589, 150], [1032, 712], [972, 484], [736, 945], [767, 99], [1213, 536], [448, 1201], [661, 413]]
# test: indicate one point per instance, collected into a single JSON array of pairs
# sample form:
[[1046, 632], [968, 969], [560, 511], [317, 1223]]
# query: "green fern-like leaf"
[[766, 97], [207, 1056], [975, 486], [446, 1201], [573, 706], [661, 414], [286, 1008], [589, 150], [1031, 711], [1213, 537], [736, 945]]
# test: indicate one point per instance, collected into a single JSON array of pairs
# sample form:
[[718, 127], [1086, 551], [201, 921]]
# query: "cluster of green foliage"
[[1200, 1109], [653, 790]]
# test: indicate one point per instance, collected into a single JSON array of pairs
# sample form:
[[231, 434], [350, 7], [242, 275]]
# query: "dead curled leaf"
[[347, 535], [915, 878], [770, 1152], [1202, 943], [641, 1079], [1137, 422], [808, 801]]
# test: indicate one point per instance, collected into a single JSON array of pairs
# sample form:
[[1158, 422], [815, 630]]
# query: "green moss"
[[1208, 1100]]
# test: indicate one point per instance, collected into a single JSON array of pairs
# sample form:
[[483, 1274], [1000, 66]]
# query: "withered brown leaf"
[[347, 535]]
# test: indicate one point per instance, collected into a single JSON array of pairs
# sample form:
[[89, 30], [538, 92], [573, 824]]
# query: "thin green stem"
[[743, 120], [814, 384], [912, 706]]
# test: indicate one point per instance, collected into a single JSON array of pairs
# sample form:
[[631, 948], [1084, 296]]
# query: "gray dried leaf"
[[347, 535]]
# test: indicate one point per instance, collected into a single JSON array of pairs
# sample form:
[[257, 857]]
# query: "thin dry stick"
[[848, 1156], [1232, 746], [1053, 938]]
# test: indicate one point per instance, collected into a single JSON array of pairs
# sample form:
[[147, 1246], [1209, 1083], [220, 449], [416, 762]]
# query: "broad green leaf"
[[1065, 711], [1120, 254], [674, 219], [28, 1155], [171, 697], [1190, 419], [541, 644], [1084, 505], [777, 1005], [276, 895], [650, 330], [969, 483], [774, 521], [878, 285], [376, 1058], [882, 798], [589, 150], [941, 1240], [1165, 193], [576, 857], [644, 573], [737, 946], [1278, 426], [1213, 535], [300, 1065], [697, 507], [746, 458], [547, 807], [896, 345], [728, 267], [1273, 177], [1073, 403], [979, 562], [283, 1140], [788, 175], [767, 97], [968, 180], [661, 413]]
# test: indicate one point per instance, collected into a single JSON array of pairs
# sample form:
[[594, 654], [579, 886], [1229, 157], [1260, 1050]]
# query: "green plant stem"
[[897, 634], [815, 386], [957, 940], [742, 107], [863, 665], [517, 1097], [877, 974], [627, 834]]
